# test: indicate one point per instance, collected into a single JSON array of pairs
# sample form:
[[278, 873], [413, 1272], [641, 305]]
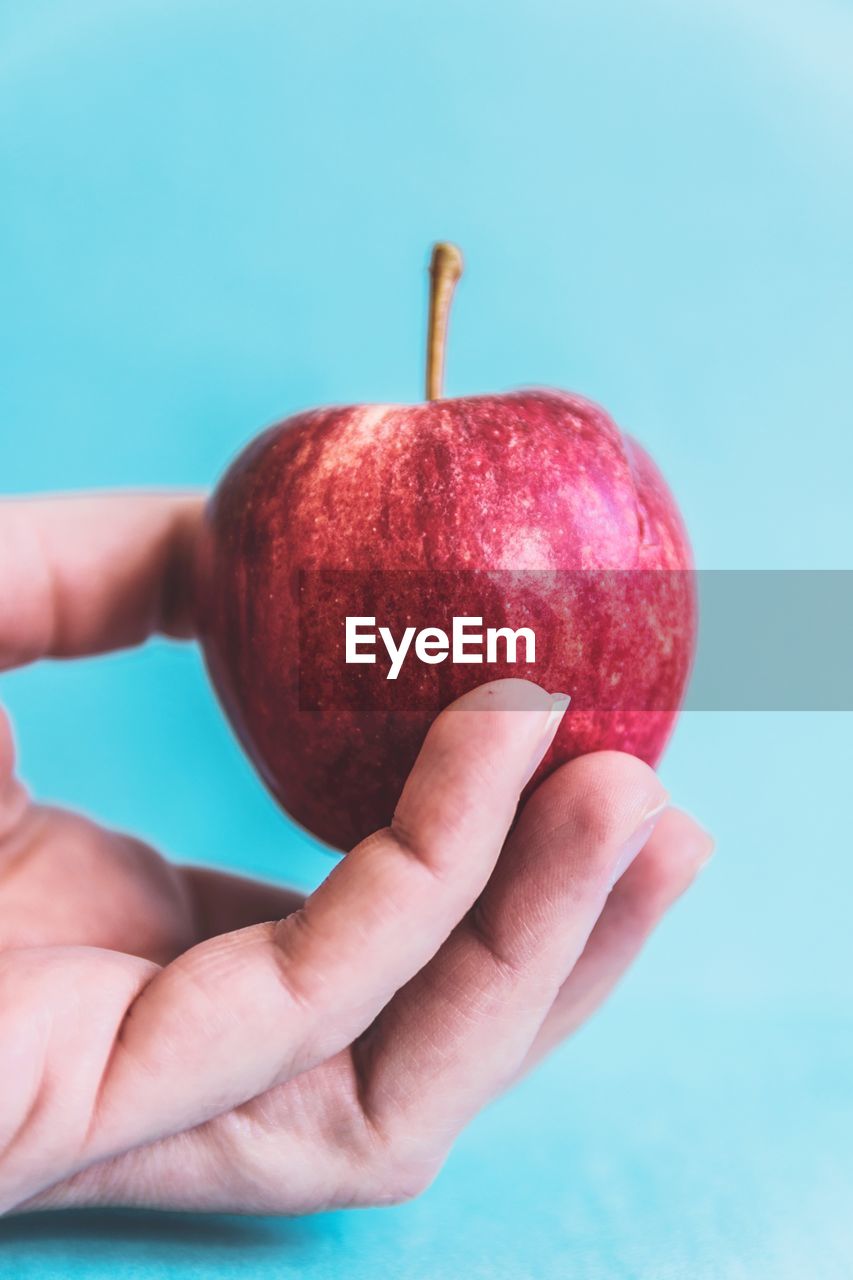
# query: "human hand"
[[180, 1038]]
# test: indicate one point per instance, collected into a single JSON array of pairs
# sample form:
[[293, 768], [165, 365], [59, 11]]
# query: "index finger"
[[83, 574], [236, 1015], [153, 1052]]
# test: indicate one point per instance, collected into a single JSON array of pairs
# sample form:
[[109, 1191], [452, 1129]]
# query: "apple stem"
[[445, 268]]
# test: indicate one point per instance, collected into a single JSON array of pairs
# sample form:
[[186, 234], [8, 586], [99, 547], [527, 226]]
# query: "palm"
[[65, 881]]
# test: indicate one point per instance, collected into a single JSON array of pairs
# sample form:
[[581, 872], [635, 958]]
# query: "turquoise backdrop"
[[212, 215]]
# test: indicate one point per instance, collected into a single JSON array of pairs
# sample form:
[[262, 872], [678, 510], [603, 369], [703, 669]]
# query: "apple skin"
[[527, 481]]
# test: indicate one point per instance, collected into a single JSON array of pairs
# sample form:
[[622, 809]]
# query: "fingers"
[[59, 1007], [243, 1012], [461, 1029], [236, 1015], [435, 1055], [667, 865], [84, 574], [295, 1149]]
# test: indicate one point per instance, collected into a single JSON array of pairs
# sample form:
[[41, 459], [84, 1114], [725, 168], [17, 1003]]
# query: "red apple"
[[526, 509]]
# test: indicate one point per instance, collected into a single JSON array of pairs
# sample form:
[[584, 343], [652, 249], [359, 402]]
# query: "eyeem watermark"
[[769, 640], [468, 642]]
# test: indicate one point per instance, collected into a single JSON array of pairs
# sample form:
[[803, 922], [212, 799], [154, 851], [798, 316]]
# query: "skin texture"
[[181, 1038], [529, 509]]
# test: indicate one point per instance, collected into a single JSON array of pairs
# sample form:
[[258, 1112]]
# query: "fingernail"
[[559, 706], [710, 842], [632, 846]]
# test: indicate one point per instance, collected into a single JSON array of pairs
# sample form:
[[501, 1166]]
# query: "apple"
[[528, 509]]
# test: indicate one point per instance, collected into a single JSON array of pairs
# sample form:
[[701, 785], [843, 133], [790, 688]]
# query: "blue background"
[[215, 214]]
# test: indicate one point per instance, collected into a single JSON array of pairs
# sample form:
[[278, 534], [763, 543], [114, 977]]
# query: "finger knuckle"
[[400, 1181], [612, 791], [399, 1166]]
